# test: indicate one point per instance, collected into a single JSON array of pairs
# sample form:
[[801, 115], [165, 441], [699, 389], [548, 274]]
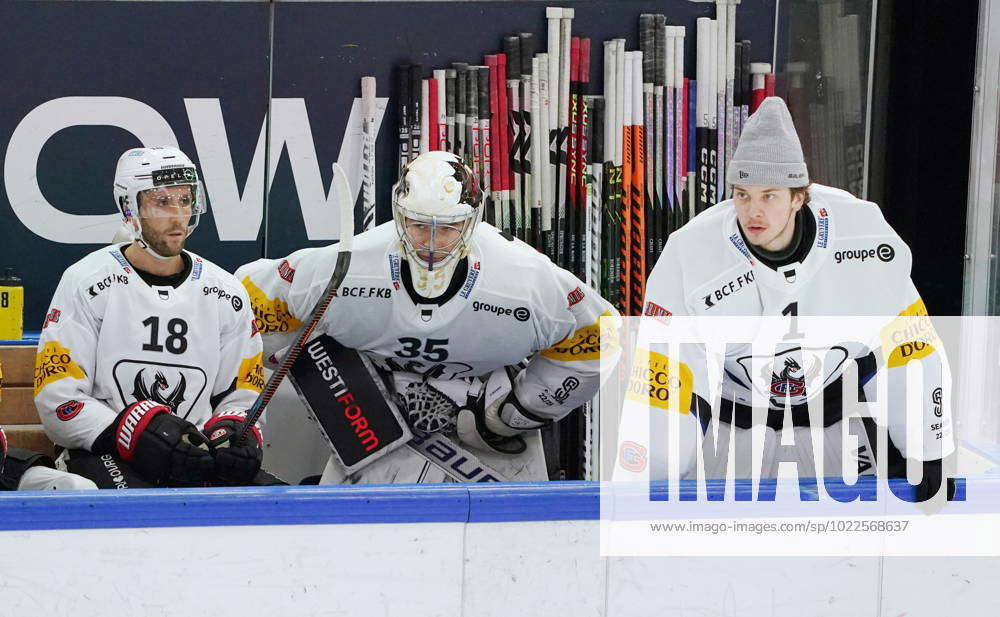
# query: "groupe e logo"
[[883, 252]]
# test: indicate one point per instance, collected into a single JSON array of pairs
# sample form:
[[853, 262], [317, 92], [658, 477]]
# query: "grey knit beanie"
[[769, 152]]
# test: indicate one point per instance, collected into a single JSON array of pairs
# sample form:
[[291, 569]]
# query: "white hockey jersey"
[[513, 304], [856, 266], [110, 339]]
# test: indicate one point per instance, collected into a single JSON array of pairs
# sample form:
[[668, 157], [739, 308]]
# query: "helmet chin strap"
[[430, 283], [138, 239]]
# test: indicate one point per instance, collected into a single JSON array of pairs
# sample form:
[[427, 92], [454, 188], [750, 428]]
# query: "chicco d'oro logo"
[[237, 304], [883, 252], [520, 313]]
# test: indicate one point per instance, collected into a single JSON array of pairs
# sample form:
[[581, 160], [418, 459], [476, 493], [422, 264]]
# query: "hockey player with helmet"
[[438, 298], [149, 355], [783, 246]]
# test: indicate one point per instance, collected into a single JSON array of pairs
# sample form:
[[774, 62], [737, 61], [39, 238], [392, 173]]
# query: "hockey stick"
[[625, 94], [535, 161], [429, 122], [342, 191], [449, 101], [441, 77], [528, 112], [417, 111], [638, 190], [403, 114], [368, 154], [512, 134]]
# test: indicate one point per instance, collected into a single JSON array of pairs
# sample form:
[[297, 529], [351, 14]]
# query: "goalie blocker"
[[345, 396]]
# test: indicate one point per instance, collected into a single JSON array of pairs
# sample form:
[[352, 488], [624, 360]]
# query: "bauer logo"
[[744, 175]]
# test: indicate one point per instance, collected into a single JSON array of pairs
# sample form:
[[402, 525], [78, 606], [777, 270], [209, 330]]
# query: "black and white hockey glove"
[[496, 423], [930, 484], [3, 448], [163, 448], [235, 465]]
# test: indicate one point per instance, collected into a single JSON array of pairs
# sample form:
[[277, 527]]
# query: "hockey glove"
[[497, 422], [930, 484], [3, 448], [163, 448], [235, 465]]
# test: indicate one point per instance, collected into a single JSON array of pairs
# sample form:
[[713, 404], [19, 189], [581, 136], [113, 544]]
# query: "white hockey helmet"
[[150, 171], [436, 205]]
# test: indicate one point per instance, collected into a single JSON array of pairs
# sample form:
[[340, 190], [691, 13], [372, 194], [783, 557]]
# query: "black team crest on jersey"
[[159, 390], [178, 386], [791, 372]]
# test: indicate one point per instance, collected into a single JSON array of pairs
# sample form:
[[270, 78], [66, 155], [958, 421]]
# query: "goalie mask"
[[436, 205], [158, 182]]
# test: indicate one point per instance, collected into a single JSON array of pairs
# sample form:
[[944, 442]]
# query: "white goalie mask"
[[436, 205], [164, 182]]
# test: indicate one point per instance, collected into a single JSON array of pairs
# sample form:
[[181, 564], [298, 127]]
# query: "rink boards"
[[530, 549]]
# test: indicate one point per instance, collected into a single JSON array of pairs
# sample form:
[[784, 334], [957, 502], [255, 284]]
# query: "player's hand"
[[497, 422], [165, 449], [235, 465], [930, 484]]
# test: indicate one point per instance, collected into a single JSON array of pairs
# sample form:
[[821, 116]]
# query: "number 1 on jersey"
[[792, 311]]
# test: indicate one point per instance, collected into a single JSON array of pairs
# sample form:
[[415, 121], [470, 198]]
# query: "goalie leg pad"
[[345, 396]]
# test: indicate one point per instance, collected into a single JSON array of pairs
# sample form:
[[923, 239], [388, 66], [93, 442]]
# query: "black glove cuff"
[[19, 461]]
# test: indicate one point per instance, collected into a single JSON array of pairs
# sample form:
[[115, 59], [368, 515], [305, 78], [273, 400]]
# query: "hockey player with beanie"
[[149, 355], [785, 246]]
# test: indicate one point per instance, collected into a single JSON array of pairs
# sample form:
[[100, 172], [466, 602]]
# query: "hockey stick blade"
[[342, 191]]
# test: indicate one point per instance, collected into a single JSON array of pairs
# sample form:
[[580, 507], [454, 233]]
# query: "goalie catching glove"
[[165, 449], [498, 420], [235, 465]]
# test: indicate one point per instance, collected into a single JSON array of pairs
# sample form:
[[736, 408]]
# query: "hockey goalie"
[[473, 338]]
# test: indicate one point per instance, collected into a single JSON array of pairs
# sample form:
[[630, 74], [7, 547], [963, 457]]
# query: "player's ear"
[[798, 199]]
